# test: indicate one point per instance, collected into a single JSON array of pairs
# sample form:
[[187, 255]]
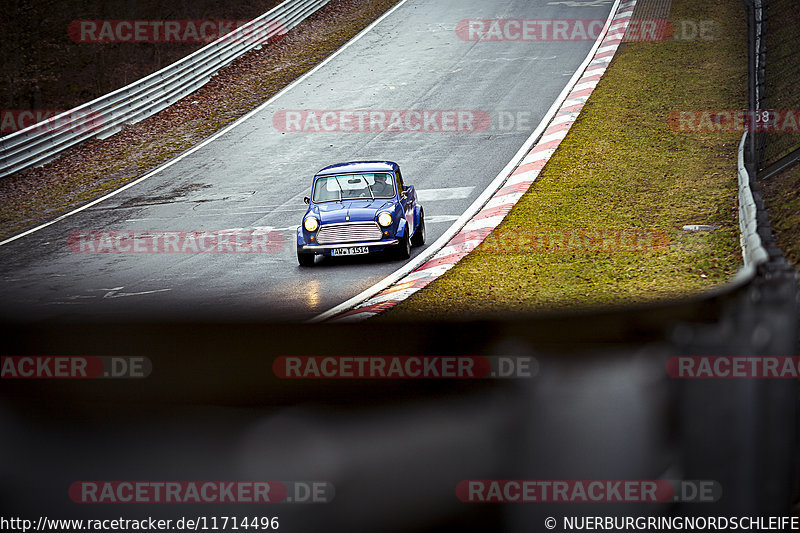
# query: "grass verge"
[[621, 168]]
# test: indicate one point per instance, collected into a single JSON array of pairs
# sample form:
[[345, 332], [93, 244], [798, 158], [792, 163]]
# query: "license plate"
[[353, 250]]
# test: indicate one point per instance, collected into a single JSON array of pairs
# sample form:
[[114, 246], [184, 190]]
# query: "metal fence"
[[774, 36], [772, 65], [781, 80], [105, 116]]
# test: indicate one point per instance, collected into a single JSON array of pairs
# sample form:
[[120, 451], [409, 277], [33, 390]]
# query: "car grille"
[[355, 232]]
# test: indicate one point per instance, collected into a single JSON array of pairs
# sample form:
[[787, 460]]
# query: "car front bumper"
[[320, 248]]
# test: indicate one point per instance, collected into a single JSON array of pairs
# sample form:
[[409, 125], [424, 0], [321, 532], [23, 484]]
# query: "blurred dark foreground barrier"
[[599, 405]]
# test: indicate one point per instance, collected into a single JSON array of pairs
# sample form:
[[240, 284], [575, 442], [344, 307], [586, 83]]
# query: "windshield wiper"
[[341, 192]]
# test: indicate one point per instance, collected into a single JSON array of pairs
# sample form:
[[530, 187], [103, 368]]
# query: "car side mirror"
[[307, 200]]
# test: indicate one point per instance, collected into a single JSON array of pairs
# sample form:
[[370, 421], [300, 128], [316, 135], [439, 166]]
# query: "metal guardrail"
[[753, 252], [105, 116]]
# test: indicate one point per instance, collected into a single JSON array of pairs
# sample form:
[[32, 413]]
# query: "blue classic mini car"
[[360, 208]]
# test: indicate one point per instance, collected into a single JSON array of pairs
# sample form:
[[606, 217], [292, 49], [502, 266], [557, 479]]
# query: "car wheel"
[[419, 236], [403, 249], [304, 259]]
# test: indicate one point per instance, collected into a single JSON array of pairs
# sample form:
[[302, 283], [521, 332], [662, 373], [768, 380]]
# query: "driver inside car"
[[383, 186]]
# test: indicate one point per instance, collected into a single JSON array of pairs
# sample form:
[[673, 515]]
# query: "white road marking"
[[509, 59], [437, 27], [578, 3], [437, 219], [111, 291], [223, 212], [114, 294], [447, 193]]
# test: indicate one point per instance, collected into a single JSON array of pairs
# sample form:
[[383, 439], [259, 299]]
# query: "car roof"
[[359, 166]]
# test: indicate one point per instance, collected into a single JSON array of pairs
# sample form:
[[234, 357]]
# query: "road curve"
[[254, 176]]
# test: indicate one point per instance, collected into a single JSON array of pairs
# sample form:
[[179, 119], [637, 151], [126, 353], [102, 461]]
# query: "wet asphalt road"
[[255, 176]]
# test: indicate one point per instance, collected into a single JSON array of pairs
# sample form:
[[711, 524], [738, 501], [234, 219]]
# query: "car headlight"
[[311, 224], [385, 219]]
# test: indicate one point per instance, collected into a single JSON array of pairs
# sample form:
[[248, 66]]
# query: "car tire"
[[418, 239], [403, 249], [305, 260]]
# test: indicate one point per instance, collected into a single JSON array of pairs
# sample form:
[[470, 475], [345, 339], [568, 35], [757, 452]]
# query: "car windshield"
[[352, 186]]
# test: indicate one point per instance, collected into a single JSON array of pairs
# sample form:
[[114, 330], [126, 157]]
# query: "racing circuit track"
[[254, 176]]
